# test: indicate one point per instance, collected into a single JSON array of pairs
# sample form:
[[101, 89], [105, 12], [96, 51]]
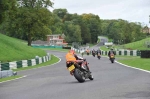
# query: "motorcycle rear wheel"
[[79, 76]]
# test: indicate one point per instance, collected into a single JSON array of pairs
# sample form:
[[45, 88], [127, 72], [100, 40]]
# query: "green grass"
[[134, 61], [55, 49], [137, 62], [53, 60], [9, 78], [103, 48], [12, 49], [139, 45]]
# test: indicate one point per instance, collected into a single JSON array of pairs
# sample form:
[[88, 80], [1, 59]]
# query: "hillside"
[[12, 49], [139, 45]]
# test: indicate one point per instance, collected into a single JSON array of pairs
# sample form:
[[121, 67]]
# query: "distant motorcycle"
[[93, 53], [112, 58], [80, 73], [87, 53], [98, 55]]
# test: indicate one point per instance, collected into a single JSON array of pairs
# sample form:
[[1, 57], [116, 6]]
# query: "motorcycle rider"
[[72, 57], [93, 52], [98, 51], [111, 52]]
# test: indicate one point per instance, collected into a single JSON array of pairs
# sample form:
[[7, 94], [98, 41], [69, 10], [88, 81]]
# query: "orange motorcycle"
[[81, 72]]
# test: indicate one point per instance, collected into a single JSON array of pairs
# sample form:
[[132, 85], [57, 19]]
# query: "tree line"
[[32, 20]]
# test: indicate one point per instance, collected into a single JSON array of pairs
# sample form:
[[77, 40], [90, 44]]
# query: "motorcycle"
[[112, 58], [98, 55], [87, 53], [93, 53], [80, 73]]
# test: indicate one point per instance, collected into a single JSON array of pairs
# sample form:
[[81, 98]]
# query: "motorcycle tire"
[[79, 76], [112, 60]]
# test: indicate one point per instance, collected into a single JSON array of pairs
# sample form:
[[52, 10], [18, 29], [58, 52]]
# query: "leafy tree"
[[32, 20], [61, 13], [94, 24], [6, 8], [58, 26], [72, 32]]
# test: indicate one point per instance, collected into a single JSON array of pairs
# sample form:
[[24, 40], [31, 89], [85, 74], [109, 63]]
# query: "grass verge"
[[12, 49], [9, 78], [137, 62], [134, 61], [55, 49]]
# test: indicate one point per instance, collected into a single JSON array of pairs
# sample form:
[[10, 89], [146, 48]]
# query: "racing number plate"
[[112, 56], [71, 68]]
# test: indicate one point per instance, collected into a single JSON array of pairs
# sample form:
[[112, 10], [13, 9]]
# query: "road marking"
[[14, 79], [132, 67]]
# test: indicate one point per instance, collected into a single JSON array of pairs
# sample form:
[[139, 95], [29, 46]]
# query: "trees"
[[94, 24], [6, 8], [72, 32], [122, 31], [31, 20]]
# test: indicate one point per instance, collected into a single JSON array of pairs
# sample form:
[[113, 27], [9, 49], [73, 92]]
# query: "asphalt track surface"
[[111, 81]]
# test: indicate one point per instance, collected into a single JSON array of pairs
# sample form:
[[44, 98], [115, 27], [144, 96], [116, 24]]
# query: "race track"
[[111, 81]]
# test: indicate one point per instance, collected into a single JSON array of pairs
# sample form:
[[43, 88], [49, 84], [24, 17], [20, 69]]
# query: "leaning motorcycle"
[[80, 73], [112, 58]]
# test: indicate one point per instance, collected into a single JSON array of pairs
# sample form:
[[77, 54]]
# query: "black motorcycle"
[[98, 55], [112, 58], [93, 53], [80, 73]]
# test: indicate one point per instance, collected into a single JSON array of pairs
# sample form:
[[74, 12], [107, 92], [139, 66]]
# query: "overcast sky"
[[131, 10]]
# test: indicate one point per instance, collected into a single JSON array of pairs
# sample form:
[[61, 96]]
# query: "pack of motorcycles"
[[82, 73]]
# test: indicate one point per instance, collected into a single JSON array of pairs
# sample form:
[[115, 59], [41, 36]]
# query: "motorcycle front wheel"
[[91, 77], [112, 60]]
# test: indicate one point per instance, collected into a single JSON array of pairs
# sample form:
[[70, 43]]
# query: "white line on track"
[[14, 79], [133, 67], [130, 66]]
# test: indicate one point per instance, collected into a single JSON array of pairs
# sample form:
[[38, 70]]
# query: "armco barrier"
[[6, 73], [145, 54], [121, 52], [5, 66], [125, 53], [24, 63]]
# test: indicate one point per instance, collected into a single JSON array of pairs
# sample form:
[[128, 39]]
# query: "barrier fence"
[[122, 52], [24, 63]]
